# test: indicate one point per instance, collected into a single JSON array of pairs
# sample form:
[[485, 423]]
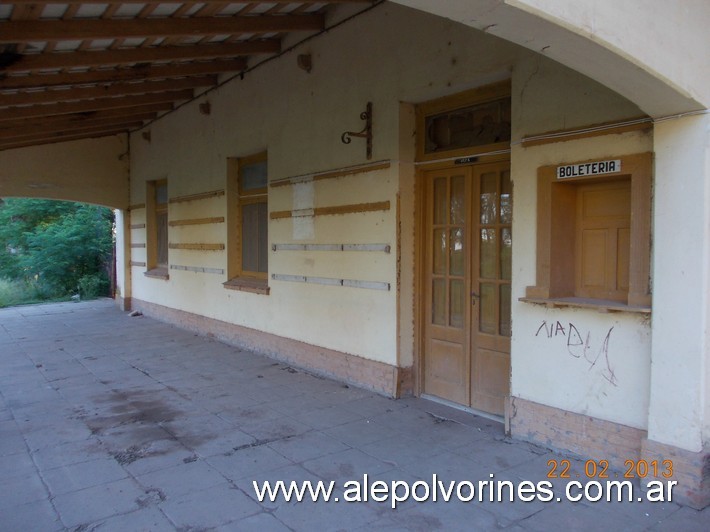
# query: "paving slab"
[[76, 477], [37, 515], [307, 446], [110, 422], [210, 507], [178, 481]]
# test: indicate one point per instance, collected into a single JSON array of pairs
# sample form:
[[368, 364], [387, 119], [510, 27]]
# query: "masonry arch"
[[87, 171], [616, 44]]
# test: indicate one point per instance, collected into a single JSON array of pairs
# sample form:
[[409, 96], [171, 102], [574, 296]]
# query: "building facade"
[[504, 207]]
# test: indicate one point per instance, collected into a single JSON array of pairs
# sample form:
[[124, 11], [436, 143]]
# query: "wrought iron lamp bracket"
[[366, 133]]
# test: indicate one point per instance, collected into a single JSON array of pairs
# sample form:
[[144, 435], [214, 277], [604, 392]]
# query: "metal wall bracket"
[[366, 133]]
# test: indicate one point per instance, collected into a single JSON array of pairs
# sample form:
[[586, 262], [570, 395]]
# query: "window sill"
[[248, 284], [600, 305], [158, 273]]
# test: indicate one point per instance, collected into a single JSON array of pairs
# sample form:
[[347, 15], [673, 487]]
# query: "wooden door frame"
[[420, 254]]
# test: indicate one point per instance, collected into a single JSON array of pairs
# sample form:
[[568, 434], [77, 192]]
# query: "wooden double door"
[[467, 245]]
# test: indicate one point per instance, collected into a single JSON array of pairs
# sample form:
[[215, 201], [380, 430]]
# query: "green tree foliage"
[[62, 245]]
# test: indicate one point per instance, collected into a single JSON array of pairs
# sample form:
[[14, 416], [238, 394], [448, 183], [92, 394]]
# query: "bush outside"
[[52, 250]]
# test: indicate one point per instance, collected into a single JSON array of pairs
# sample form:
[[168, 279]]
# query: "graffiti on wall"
[[581, 346]]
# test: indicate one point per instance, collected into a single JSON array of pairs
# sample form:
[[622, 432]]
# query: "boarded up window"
[[161, 223], [255, 237], [162, 240], [253, 220], [603, 240]]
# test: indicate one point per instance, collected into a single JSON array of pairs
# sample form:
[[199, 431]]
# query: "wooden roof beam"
[[135, 73], [128, 122], [98, 104], [103, 91], [189, 2], [146, 112], [60, 138], [11, 128], [61, 60], [24, 31]]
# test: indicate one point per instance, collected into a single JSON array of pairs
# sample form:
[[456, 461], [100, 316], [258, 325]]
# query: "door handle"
[[474, 297]]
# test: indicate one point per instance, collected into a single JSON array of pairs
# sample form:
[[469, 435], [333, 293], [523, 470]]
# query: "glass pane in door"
[[440, 201], [489, 198], [458, 205], [506, 253], [504, 310], [488, 321], [438, 312], [458, 300], [439, 250], [457, 259], [488, 254]]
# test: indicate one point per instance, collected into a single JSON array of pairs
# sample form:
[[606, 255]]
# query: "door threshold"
[[463, 408]]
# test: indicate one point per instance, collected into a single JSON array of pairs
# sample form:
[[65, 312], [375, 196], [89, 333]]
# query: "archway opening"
[[55, 250]]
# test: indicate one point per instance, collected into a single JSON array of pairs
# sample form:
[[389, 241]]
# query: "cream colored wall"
[[123, 257], [680, 405], [299, 118], [300, 125], [406, 231], [653, 52], [609, 381], [90, 171]]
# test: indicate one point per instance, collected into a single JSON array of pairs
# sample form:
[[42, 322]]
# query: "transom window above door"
[[472, 122]]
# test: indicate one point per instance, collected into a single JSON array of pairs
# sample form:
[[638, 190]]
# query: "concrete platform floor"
[[109, 422]]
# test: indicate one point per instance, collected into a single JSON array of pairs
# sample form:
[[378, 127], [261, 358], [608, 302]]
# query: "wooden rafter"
[[103, 91], [192, 2], [23, 31], [77, 131], [25, 12], [128, 122], [120, 70], [143, 72], [140, 55], [61, 138], [94, 105], [92, 117]]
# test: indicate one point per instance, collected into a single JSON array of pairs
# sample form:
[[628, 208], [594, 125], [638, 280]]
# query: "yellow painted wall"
[[299, 118], [407, 57]]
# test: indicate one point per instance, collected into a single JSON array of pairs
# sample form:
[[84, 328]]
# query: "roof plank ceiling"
[[79, 69]]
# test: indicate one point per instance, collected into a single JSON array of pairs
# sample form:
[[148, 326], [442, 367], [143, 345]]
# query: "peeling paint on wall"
[[303, 198]]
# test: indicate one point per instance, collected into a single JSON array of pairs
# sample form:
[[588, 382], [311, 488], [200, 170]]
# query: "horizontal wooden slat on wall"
[[137, 246], [197, 221], [136, 263], [197, 247], [331, 247], [337, 209], [197, 269], [330, 174], [136, 206], [329, 281], [137, 226], [194, 197]]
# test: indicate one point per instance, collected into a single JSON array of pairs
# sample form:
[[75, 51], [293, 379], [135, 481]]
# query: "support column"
[[678, 423], [123, 259]]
